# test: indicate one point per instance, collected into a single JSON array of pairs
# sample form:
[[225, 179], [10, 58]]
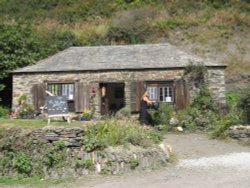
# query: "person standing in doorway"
[[145, 118]]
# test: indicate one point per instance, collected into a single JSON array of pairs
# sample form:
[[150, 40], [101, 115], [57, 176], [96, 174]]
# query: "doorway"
[[112, 98]]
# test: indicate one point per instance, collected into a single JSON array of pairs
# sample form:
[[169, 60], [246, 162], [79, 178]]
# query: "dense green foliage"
[[4, 112], [21, 45], [23, 164]]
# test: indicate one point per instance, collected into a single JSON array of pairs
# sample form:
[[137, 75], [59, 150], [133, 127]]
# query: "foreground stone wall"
[[58, 152], [240, 132]]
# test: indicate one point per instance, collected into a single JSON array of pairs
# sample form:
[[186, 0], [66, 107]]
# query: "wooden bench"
[[67, 116]]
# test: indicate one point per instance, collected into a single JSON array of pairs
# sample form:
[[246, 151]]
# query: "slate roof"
[[122, 57]]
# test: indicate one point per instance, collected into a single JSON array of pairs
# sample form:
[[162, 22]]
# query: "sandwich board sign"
[[57, 105]]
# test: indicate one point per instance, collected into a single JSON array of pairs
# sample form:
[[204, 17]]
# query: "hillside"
[[219, 30]]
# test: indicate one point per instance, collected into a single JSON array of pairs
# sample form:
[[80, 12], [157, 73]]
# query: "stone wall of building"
[[217, 86], [22, 83]]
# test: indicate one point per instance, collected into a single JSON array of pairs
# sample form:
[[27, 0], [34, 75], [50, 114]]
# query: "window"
[[161, 92], [152, 91], [62, 89]]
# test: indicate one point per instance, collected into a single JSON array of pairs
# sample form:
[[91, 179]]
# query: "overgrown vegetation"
[[113, 133], [204, 114], [4, 111], [27, 156], [23, 164]]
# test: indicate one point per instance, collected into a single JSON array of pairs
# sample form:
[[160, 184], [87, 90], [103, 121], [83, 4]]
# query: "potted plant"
[[87, 115]]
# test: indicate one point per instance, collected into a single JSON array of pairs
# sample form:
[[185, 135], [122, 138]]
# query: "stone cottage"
[[113, 77]]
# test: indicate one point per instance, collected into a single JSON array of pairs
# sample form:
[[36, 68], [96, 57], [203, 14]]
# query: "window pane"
[[152, 91], [161, 97], [170, 91], [166, 92], [161, 91], [62, 90]]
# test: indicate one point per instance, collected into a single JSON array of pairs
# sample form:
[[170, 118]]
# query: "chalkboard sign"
[[57, 105]]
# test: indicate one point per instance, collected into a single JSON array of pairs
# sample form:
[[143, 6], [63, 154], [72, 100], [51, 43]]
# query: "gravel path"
[[202, 163]]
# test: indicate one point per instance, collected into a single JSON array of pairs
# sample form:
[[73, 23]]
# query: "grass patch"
[[6, 180], [237, 66], [35, 123]]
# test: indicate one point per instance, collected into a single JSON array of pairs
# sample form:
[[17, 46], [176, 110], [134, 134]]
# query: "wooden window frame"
[[162, 84], [61, 83]]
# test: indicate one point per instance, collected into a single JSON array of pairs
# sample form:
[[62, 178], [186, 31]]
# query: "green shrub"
[[87, 164], [59, 145], [51, 158], [222, 124], [233, 99], [94, 138], [55, 156], [123, 113], [90, 142], [202, 112], [113, 133], [23, 164], [4, 111], [134, 163], [163, 114]]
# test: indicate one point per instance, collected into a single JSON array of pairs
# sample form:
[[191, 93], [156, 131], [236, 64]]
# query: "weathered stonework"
[[72, 159], [22, 83], [216, 83], [240, 132]]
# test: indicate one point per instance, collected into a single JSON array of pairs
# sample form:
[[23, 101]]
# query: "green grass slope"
[[213, 29]]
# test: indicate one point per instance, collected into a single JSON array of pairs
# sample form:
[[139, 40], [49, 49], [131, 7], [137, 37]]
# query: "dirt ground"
[[201, 162], [190, 149]]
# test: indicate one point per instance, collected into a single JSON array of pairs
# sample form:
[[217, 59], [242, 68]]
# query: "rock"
[[98, 168], [72, 144], [180, 129], [165, 149], [67, 135], [51, 137]]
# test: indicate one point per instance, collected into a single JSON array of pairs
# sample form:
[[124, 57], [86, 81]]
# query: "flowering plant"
[[87, 114], [23, 110]]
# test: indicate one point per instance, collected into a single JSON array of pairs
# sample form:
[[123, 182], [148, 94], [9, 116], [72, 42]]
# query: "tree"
[[21, 46]]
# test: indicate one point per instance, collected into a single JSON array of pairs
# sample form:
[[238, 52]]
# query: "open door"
[[112, 97]]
